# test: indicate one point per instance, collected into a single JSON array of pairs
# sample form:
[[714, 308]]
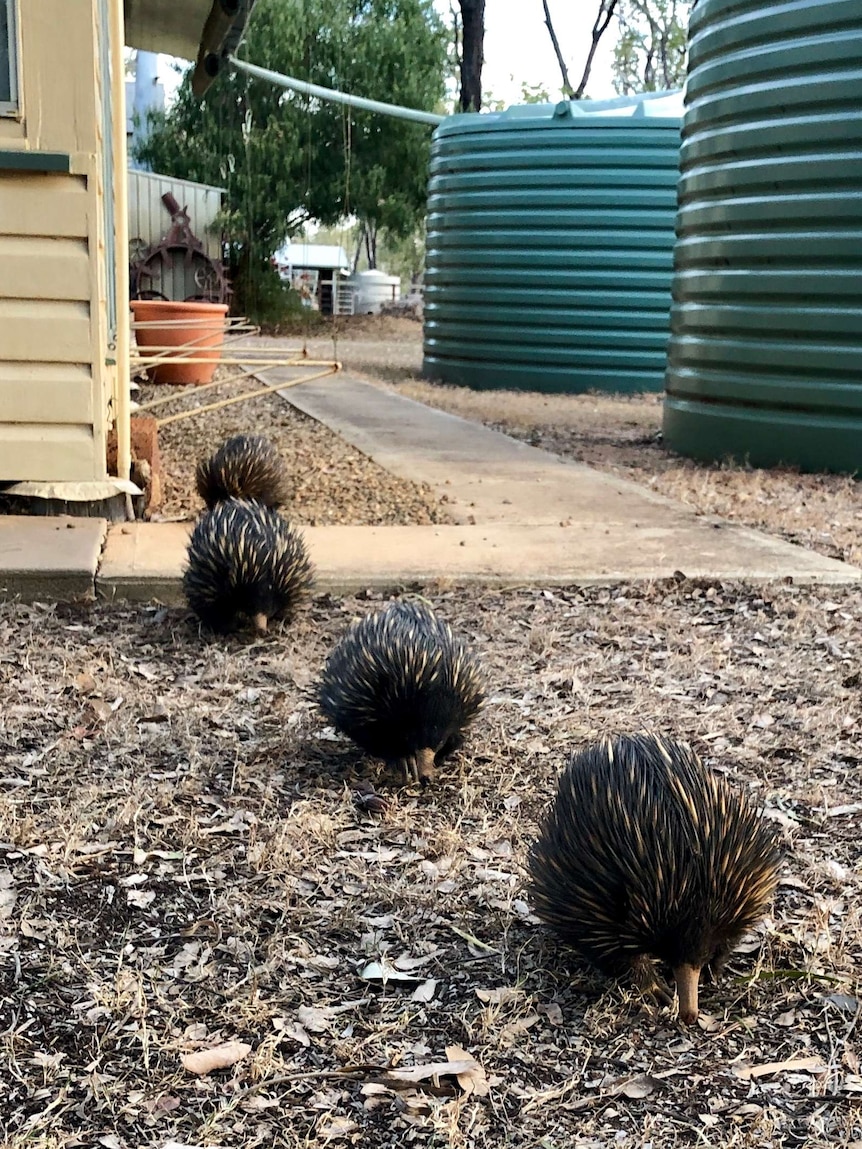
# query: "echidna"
[[403, 687], [244, 467], [245, 563], [646, 856]]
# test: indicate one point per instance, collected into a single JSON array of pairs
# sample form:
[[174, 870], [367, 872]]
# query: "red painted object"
[[201, 329]]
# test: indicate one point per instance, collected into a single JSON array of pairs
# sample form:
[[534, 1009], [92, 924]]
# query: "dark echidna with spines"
[[245, 565], [648, 858], [243, 467], [403, 687]]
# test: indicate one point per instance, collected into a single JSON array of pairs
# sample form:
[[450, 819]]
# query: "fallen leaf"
[[793, 1065], [635, 1087], [334, 1128], [472, 1080], [378, 971], [141, 898], [7, 894], [425, 991], [219, 1057], [843, 1001], [314, 1018], [500, 994], [85, 683]]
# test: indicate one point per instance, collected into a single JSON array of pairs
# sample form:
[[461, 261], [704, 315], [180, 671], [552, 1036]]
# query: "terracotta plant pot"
[[201, 325]]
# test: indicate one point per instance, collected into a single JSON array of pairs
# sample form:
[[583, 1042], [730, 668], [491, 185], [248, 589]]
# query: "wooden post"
[[116, 31]]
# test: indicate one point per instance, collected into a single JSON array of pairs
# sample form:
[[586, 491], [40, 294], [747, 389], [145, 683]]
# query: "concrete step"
[[52, 558], [145, 560]]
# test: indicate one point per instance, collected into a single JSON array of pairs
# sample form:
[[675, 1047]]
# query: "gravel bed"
[[332, 481]]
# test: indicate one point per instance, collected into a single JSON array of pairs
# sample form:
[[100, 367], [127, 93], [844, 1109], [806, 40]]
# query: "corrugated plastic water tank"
[[765, 360], [550, 245]]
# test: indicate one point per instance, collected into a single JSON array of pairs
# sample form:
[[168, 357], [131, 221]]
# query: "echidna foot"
[[649, 983]]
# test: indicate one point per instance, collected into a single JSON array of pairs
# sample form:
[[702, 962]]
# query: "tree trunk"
[[370, 232], [472, 44], [359, 239]]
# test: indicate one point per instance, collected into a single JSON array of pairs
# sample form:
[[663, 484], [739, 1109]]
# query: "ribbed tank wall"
[[550, 250], [765, 360]]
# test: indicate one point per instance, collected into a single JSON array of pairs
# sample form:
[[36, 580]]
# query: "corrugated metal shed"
[[149, 219], [550, 246], [765, 361]]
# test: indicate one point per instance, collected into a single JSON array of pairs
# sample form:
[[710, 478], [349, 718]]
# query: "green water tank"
[[765, 359], [550, 246]]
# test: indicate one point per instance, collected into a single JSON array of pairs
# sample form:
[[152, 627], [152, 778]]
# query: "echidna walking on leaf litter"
[[403, 687], [245, 564], [646, 856], [243, 467]]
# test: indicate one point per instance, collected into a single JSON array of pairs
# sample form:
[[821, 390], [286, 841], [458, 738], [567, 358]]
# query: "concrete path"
[[523, 516], [49, 558], [487, 477]]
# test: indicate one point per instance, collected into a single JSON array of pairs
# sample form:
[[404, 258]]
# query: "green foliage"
[[266, 298], [285, 159], [403, 256], [536, 94], [650, 54]]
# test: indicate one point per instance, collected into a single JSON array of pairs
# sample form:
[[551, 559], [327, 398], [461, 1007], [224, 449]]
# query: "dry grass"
[[622, 434], [181, 862]]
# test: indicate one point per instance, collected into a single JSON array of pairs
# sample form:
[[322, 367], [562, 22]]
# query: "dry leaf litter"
[[207, 941]]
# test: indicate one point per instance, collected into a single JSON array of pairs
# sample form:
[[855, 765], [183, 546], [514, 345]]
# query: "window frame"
[[12, 106]]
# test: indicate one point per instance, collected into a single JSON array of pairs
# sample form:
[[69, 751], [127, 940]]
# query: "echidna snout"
[[648, 859], [420, 767], [687, 978]]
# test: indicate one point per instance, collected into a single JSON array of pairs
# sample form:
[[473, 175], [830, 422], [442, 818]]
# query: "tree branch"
[[603, 18], [568, 90]]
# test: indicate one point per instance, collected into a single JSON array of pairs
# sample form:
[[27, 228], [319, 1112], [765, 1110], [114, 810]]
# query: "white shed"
[[319, 272]]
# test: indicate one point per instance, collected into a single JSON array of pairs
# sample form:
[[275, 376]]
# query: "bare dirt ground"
[[332, 481], [182, 864], [621, 434]]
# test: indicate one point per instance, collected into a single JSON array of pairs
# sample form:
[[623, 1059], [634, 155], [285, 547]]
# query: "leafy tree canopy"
[[650, 53], [285, 159]]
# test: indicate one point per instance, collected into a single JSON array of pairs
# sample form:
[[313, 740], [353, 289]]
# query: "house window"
[[8, 59]]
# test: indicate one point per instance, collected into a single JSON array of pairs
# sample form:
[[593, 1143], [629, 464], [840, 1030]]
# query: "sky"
[[518, 48]]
